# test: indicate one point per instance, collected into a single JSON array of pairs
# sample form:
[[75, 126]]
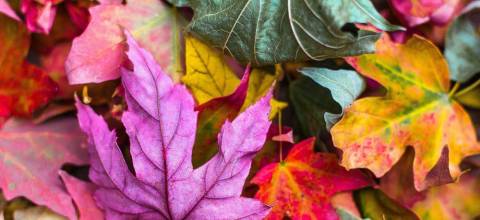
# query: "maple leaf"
[[263, 33], [209, 76], [454, 201], [416, 111], [160, 122], [82, 194], [397, 183], [212, 115], [23, 87], [151, 22], [302, 185], [31, 156], [461, 44]]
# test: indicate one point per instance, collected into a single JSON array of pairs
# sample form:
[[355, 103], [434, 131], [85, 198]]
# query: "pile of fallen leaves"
[[239, 109]]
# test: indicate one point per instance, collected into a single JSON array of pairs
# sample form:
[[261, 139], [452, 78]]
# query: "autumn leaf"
[[23, 87], [70, 21], [270, 153], [374, 204], [31, 156], [151, 22], [36, 213], [39, 15], [7, 10], [211, 80], [165, 185], [211, 116], [303, 184], [416, 111], [413, 13], [208, 76], [260, 82], [453, 201], [461, 44], [82, 194], [276, 107], [263, 33], [470, 98], [398, 184]]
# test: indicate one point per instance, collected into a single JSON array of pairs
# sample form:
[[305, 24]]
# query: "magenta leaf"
[[39, 15], [7, 10], [161, 122]]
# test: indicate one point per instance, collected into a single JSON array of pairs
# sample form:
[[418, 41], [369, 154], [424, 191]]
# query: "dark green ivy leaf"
[[265, 32], [345, 86], [310, 102], [320, 98]]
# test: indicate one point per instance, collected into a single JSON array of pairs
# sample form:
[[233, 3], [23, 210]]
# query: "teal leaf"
[[265, 32], [179, 3], [462, 49], [345, 86]]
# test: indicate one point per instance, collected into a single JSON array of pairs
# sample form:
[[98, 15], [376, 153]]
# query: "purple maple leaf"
[[161, 122]]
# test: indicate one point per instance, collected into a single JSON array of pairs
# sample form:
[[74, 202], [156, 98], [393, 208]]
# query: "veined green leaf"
[[265, 32]]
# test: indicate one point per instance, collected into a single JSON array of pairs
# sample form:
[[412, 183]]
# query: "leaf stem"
[[454, 89], [279, 133], [468, 89]]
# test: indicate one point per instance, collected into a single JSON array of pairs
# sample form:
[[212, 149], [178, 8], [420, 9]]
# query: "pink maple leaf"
[[160, 122]]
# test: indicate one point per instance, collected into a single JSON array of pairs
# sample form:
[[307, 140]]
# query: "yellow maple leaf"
[[416, 111]]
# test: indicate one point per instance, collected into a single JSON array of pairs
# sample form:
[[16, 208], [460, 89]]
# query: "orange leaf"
[[302, 186], [23, 87]]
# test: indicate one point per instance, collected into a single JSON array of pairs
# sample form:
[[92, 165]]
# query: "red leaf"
[[30, 157], [301, 187], [23, 87]]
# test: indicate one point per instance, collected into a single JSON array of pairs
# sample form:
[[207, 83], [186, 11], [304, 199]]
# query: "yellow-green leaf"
[[261, 80], [276, 107], [416, 111], [208, 76], [455, 201]]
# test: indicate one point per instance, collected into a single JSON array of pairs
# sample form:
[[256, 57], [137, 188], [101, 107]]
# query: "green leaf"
[[374, 204], [345, 86], [461, 44], [310, 102], [265, 32]]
